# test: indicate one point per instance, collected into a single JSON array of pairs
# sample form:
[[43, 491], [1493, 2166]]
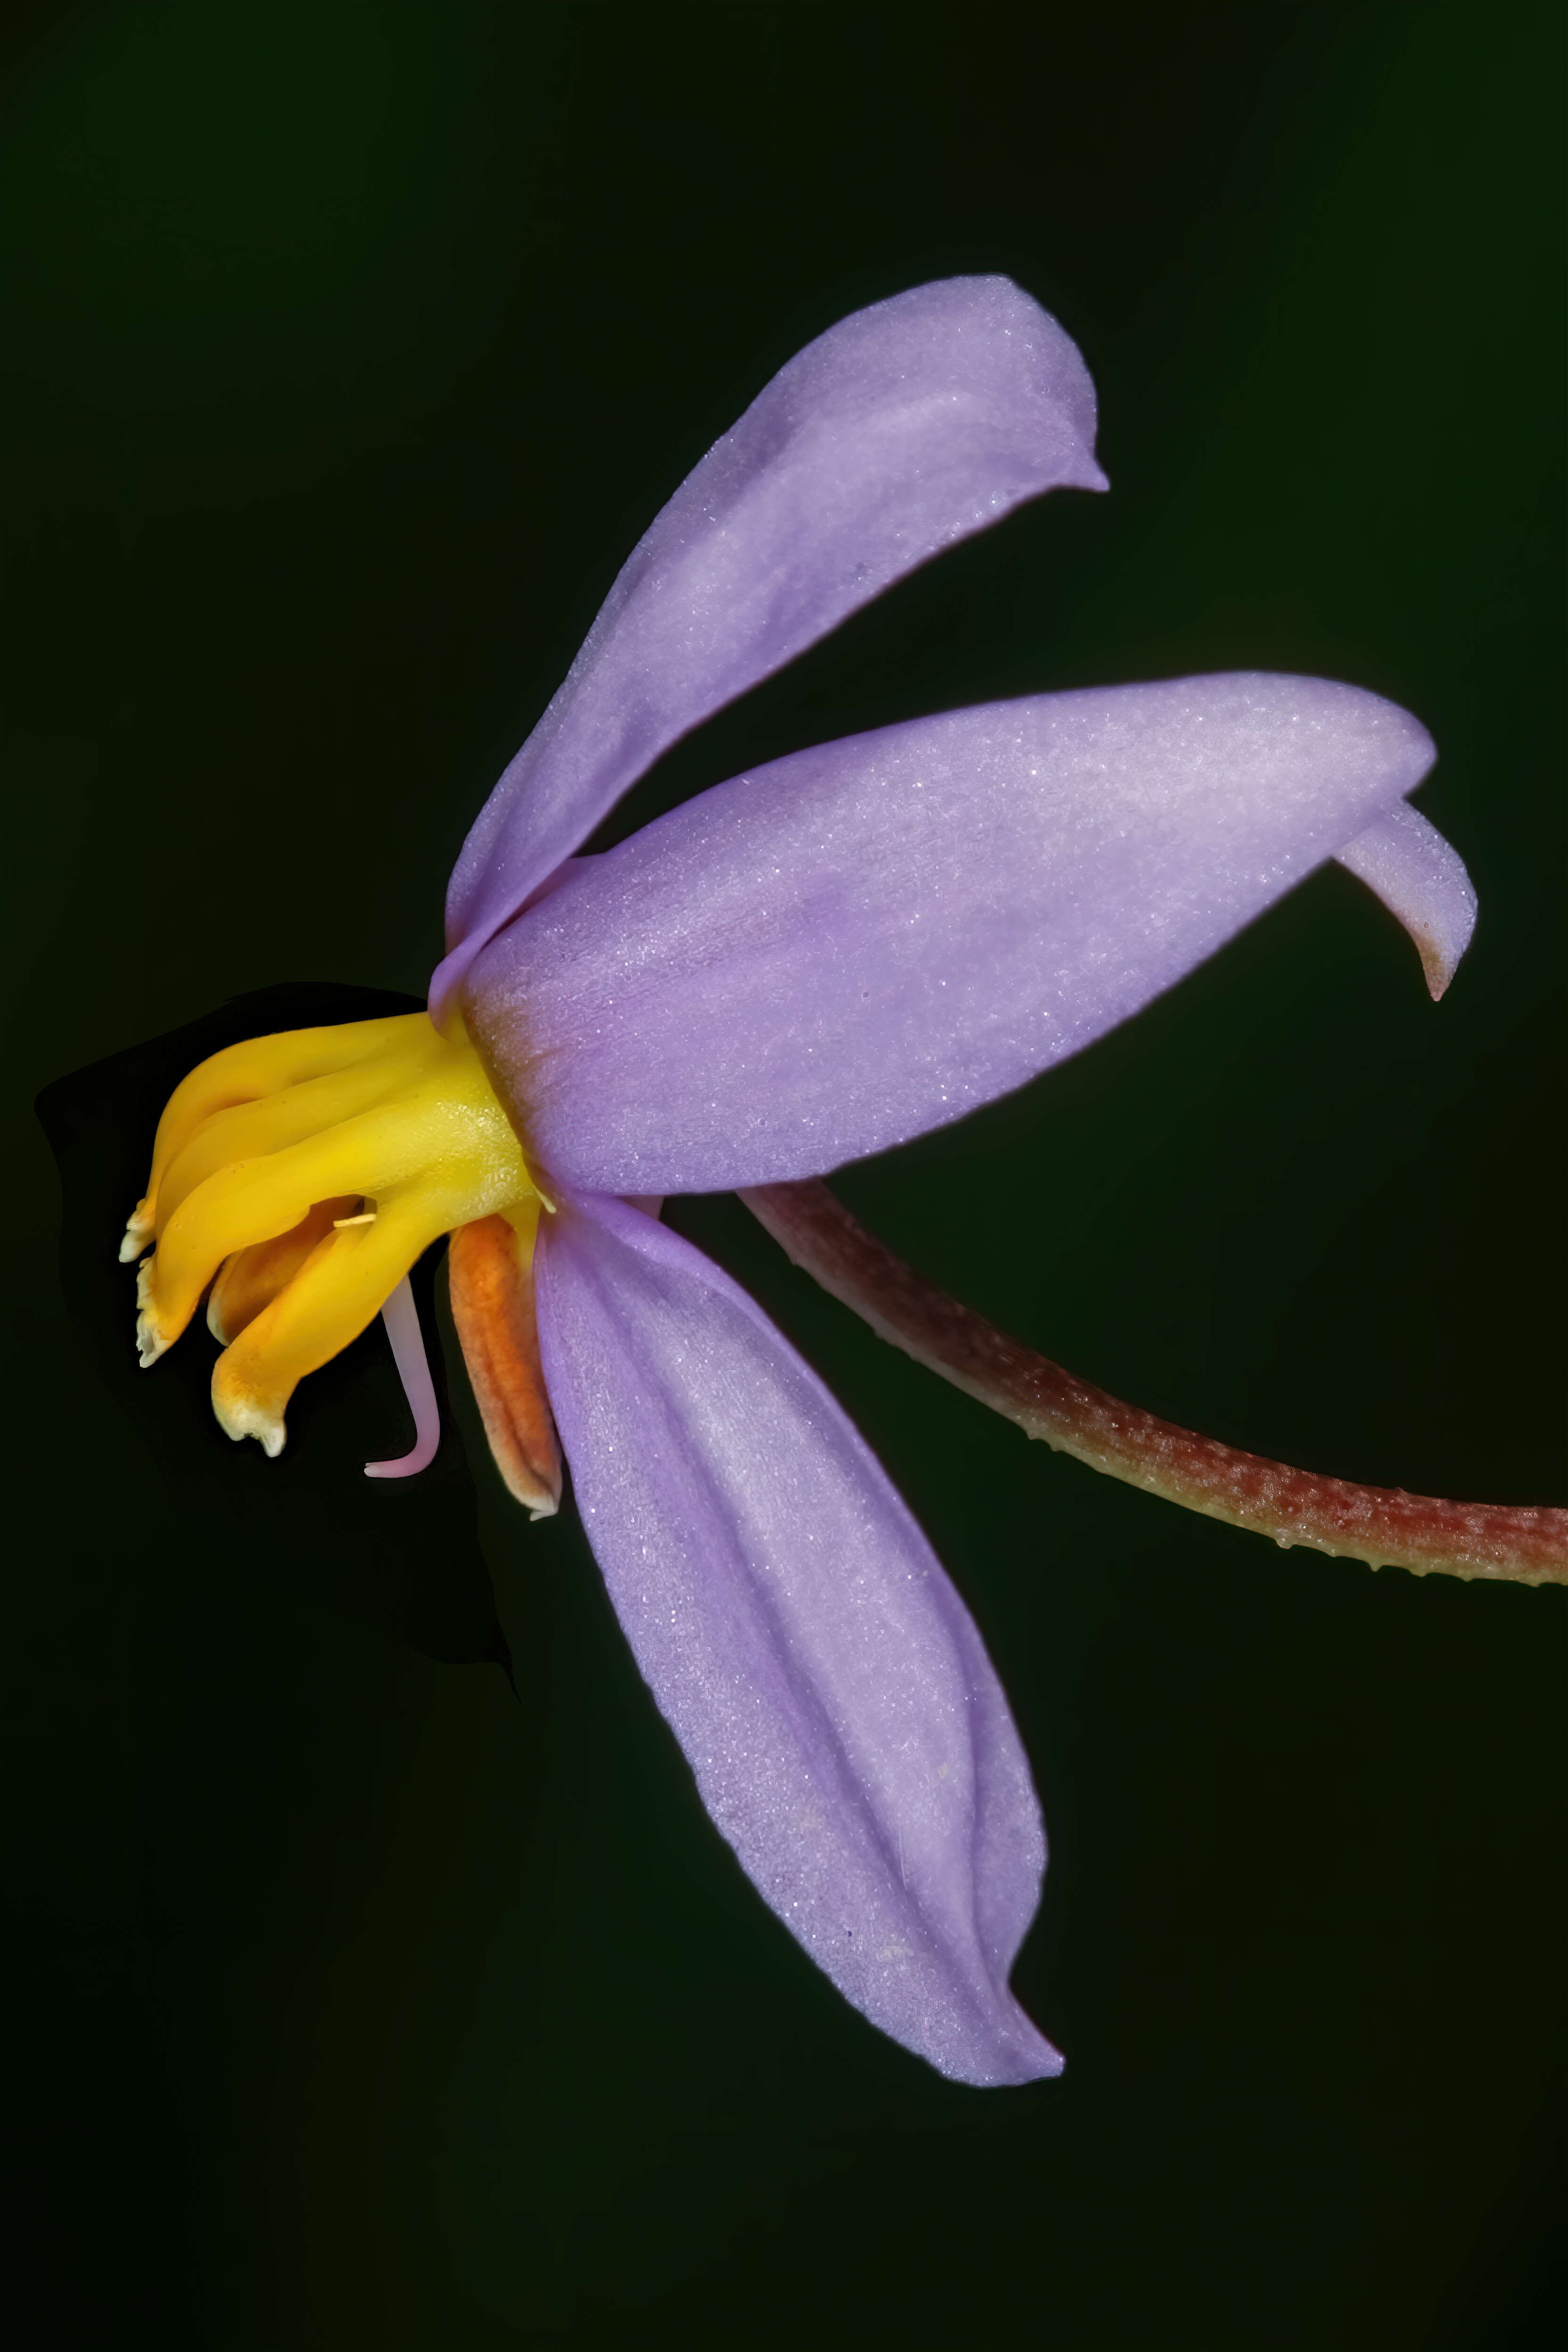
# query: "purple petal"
[[1422, 881], [847, 1733], [901, 429], [868, 940]]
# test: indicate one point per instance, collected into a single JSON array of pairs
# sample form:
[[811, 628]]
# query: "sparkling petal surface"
[[903, 428], [826, 1683], [869, 938], [1421, 879]]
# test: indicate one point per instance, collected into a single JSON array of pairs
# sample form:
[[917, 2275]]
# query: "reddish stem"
[[1382, 1526]]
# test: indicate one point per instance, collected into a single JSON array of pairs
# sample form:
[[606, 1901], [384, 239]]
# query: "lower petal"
[[847, 1732]]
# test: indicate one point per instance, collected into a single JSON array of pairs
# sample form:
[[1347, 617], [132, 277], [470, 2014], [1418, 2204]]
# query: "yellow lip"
[[297, 1178]]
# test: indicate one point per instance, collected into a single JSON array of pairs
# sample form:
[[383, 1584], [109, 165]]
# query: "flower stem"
[[1382, 1525]]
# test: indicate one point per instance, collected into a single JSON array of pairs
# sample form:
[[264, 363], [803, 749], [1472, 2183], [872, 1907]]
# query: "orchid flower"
[[812, 962]]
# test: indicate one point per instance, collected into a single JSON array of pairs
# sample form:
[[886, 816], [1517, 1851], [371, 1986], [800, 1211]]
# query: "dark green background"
[[358, 2004]]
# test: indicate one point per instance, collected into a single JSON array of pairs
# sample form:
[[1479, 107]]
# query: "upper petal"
[[867, 939], [904, 427], [847, 1733]]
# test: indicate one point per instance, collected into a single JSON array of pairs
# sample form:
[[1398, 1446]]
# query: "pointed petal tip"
[[1042, 2061], [1436, 969], [1019, 2053], [1421, 880]]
